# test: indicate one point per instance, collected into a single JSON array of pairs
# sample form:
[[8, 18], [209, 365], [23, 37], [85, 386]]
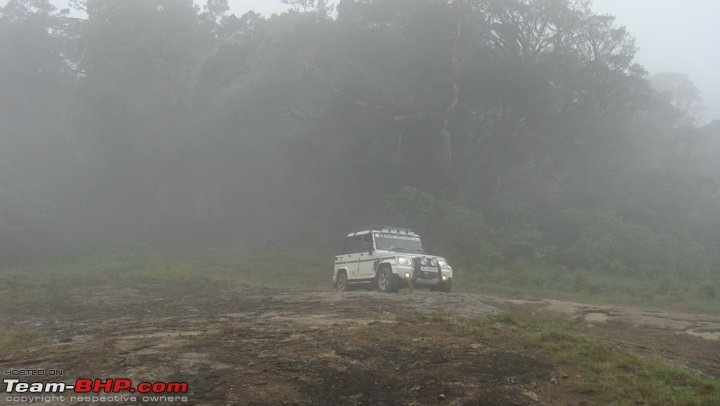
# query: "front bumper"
[[425, 276]]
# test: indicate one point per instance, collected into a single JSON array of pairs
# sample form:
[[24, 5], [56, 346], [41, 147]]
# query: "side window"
[[366, 243], [358, 244], [353, 245], [348, 248]]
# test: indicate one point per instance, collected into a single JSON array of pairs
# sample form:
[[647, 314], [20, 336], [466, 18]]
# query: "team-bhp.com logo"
[[89, 390]]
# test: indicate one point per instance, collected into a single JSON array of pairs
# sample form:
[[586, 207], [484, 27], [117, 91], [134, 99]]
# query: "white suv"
[[389, 258]]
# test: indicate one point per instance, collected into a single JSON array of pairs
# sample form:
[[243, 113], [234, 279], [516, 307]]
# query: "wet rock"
[[532, 395]]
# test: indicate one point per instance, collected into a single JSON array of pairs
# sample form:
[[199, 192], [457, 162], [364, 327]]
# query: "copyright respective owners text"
[[56, 386]]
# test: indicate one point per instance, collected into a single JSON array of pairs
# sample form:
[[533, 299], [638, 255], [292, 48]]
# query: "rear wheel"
[[385, 281], [342, 282]]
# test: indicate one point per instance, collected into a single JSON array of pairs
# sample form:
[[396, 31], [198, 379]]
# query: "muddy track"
[[322, 348]]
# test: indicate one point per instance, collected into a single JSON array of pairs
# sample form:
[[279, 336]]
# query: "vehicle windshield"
[[398, 243]]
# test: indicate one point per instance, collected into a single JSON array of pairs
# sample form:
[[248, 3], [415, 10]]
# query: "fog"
[[533, 185], [672, 36], [675, 36], [263, 7], [154, 125]]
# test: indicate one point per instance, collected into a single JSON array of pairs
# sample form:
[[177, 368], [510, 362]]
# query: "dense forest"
[[518, 136]]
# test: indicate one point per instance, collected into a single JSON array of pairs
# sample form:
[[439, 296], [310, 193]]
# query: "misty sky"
[[672, 36], [265, 7], [676, 36]]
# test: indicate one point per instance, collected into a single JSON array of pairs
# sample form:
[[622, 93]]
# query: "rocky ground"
[[244, 347]]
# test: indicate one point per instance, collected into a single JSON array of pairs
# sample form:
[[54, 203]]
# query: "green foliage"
[[518, 136], [661, 291], [13, 339], [588, 366], [613, 376], [707, 291], [707, 150], [448, 228], [646, 224], [22, 217]]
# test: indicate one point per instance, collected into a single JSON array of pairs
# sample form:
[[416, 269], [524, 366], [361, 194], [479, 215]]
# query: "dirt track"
[[323, 348]]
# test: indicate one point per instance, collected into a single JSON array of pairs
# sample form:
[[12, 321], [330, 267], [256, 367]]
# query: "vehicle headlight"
[[443, 263], [403, 261], [434, 262], [423, 261]]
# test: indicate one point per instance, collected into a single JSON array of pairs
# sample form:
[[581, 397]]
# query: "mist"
[[675, 36], [359, 202], [166, 124]]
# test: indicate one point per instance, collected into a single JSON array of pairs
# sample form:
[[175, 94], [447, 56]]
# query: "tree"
[[524, 127], [681, 92]]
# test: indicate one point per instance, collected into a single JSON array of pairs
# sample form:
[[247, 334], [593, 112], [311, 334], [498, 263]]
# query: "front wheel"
[[386, 281], [342, 282], [446, 287]]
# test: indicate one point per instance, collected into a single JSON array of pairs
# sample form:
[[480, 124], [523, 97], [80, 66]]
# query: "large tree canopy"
[[505, 130]]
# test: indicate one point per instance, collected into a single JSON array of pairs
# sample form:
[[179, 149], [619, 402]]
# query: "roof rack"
[[380, 228]]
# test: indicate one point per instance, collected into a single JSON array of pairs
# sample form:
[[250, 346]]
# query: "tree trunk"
[[445, 137]]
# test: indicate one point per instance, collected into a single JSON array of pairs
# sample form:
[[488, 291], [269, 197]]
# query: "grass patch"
[[585, 369], [610, 375], [298, 270], [662, 292], [35, 289], [13, 339], [594, 368], [242, 267]]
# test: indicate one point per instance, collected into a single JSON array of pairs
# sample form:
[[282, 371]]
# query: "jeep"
[[389, 258]]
